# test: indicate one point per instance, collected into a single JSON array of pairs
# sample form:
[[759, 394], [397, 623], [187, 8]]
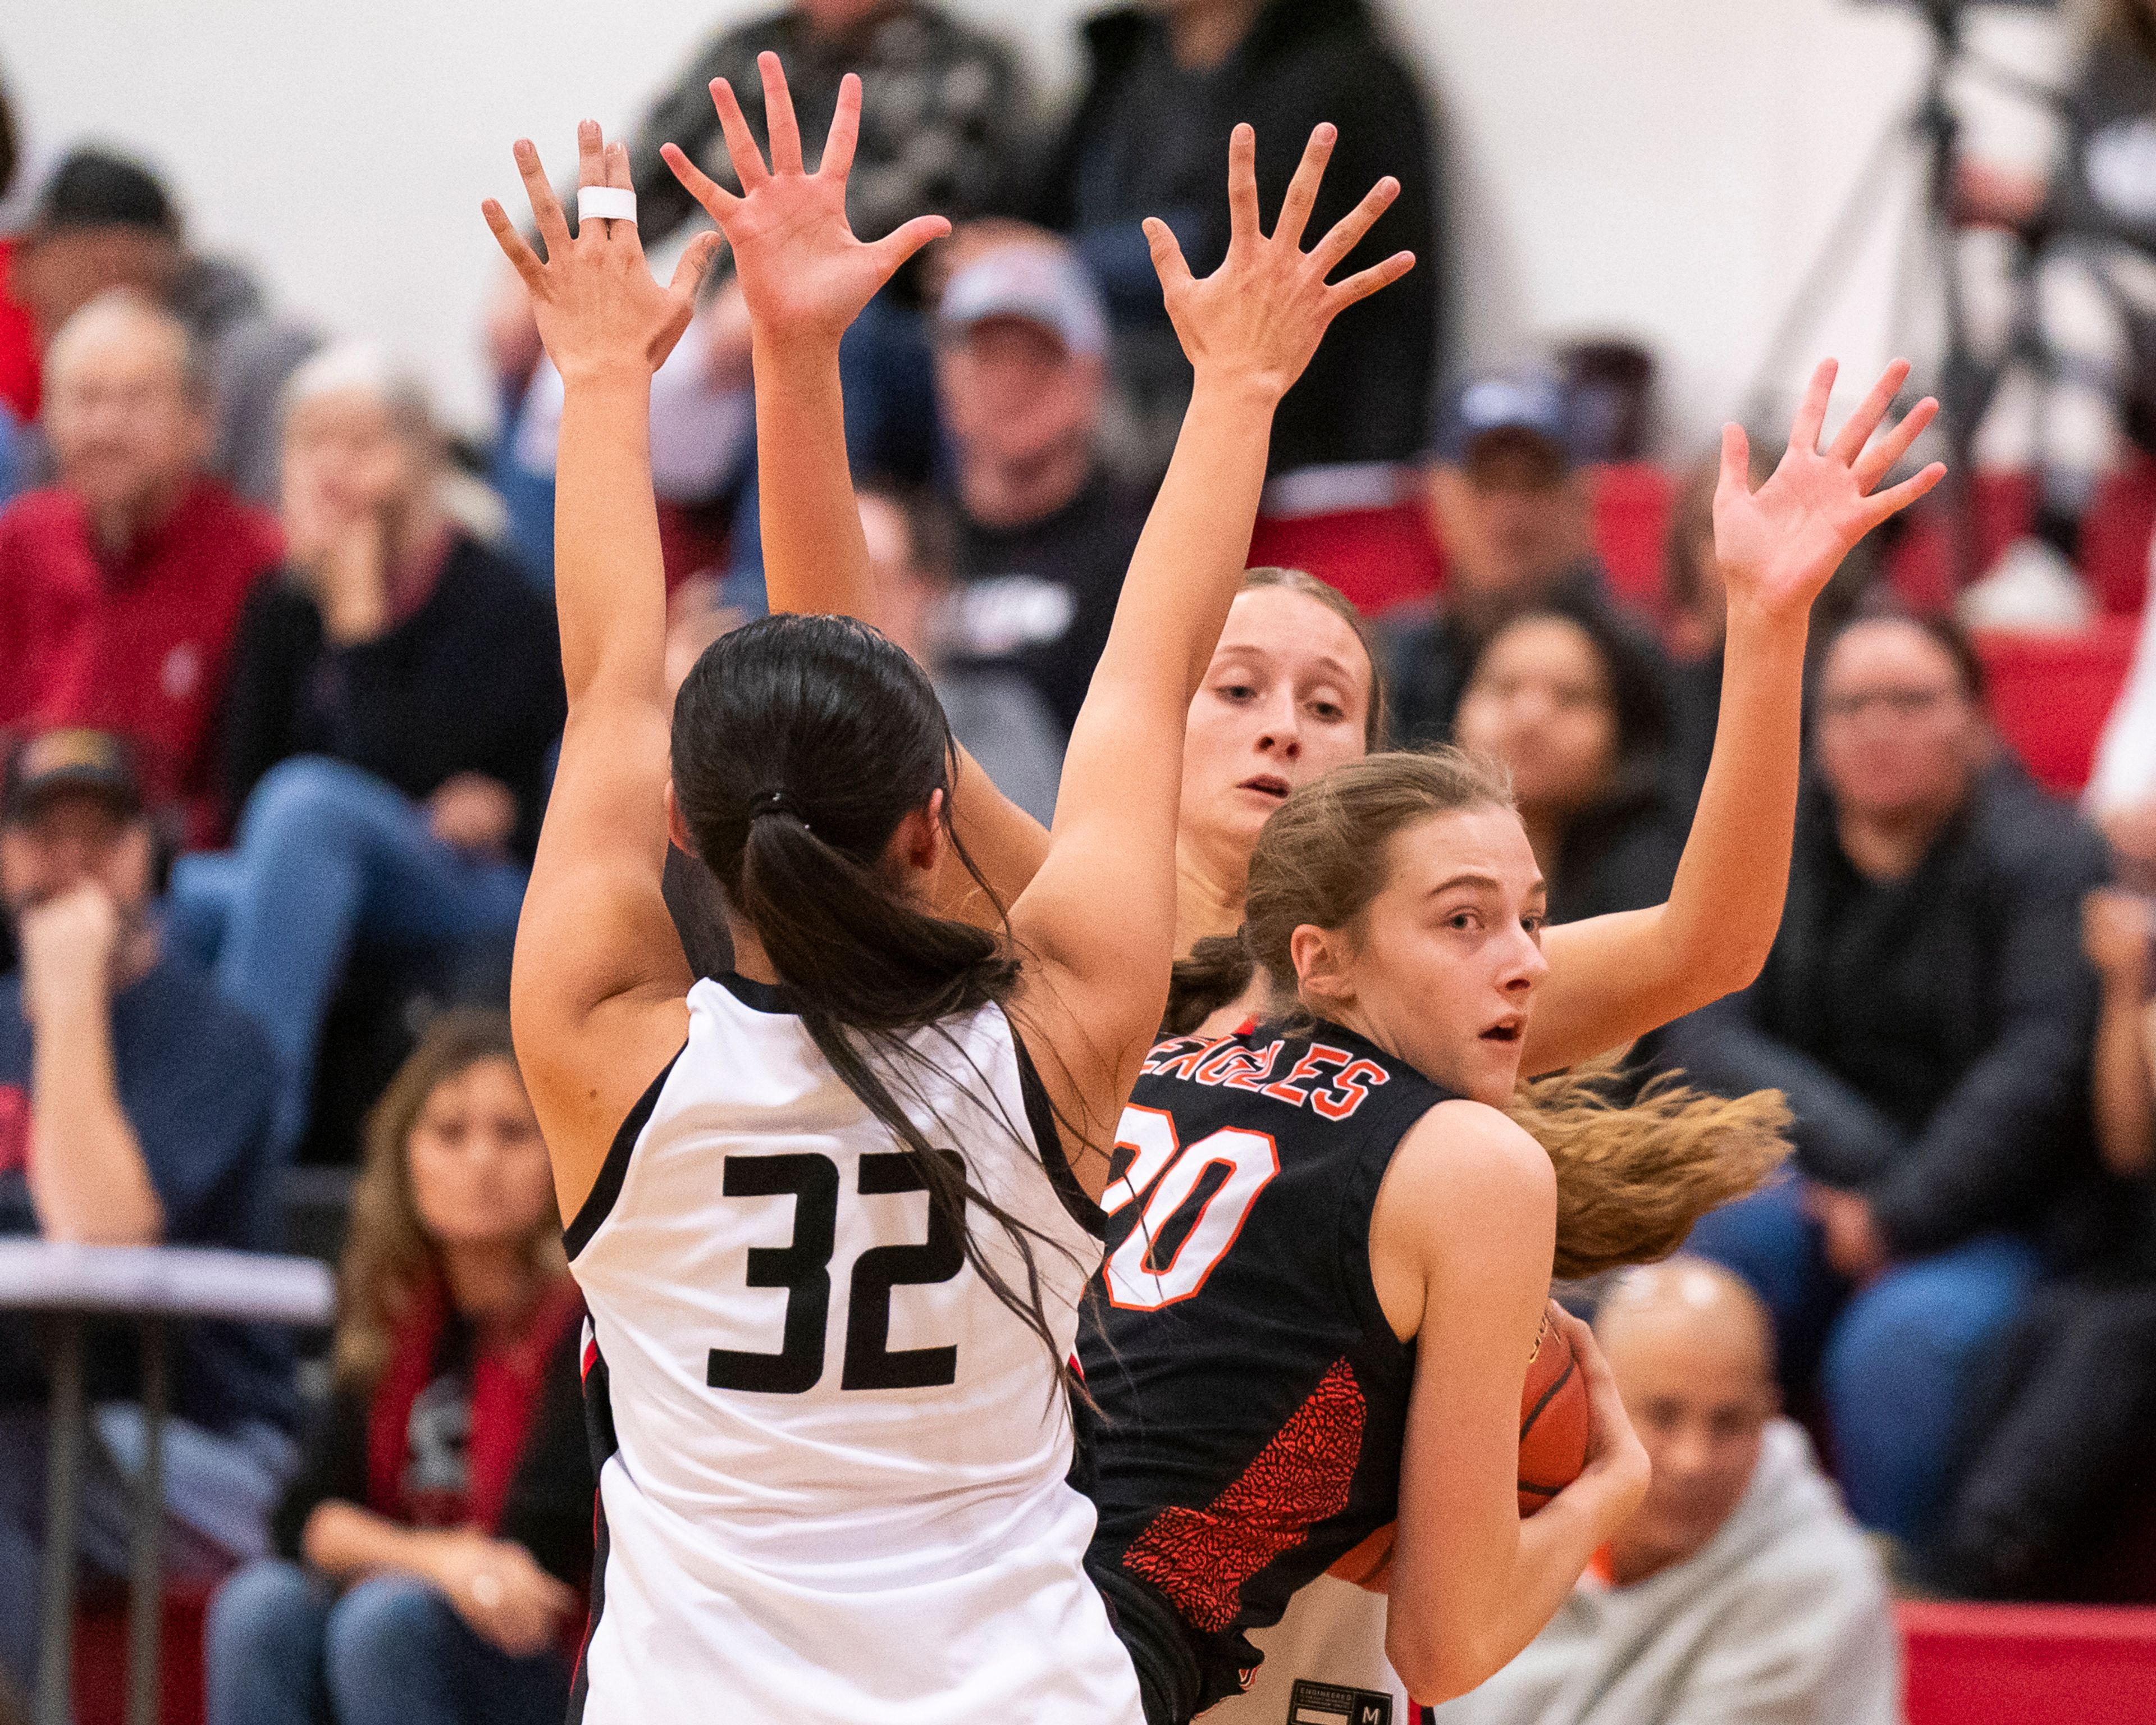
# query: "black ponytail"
[[1216, 975], [800, 744]]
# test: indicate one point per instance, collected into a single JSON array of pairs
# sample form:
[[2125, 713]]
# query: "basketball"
[[1552, 1418]]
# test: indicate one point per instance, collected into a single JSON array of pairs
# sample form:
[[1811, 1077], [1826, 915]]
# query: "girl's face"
[[1287, 697], [479, 1173], [1540, 701], [1441, 968]]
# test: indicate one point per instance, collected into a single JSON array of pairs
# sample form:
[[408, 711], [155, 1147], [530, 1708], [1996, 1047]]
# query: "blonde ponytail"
[[1635, 1173]]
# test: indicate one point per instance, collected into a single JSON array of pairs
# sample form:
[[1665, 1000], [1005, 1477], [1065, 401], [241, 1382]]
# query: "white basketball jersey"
[[836, 1491]]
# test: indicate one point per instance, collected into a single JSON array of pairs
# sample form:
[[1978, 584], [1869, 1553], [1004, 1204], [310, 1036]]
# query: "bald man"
[[121, 582], [1741, 1593]]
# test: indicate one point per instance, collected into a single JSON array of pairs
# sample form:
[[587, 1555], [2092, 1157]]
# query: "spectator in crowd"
[[1580, 717], [997, 718], [1044, 532], [1165, 84], [136, 1107], [395, 698], [1513, 515], [1740, 1591], [432, 1549], [2061, 1429], [104, 222], [120, 586], [2093, 227], [946, 125], [1928, 1011]]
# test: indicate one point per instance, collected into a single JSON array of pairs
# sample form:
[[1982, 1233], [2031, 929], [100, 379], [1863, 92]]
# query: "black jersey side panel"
[[1251, 1401]]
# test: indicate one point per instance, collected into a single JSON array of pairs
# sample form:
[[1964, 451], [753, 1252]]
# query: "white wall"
[[1658, 168]]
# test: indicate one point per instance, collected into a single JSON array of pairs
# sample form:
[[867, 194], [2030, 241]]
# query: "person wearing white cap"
[[1045, 533]]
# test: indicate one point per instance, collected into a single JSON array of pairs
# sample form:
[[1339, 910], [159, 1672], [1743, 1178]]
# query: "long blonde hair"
[[1633, 1171], [390, 1261]]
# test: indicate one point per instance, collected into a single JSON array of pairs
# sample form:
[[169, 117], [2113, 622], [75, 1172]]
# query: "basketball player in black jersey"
[[1330, 1252]]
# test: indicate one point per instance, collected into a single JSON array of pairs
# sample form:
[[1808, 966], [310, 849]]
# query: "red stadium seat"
[[2114, 549], [2051, 694], [1632, 505], [101, 1656], [1388, 555], [2029, 1664], [1378, 557]]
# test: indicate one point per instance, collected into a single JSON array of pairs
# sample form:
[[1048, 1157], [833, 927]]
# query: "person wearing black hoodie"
[[1928, 1013], [1165, 85], [1580, 717]]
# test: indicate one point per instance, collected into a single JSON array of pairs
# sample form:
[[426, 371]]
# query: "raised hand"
[[597, 304], [1778, 546], [1260, 314], [803, 270]]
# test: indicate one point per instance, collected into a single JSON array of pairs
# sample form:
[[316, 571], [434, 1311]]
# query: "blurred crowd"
[[279, 692]]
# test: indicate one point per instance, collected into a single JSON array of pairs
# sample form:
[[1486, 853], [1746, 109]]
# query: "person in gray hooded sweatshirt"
[[1742, 1594]]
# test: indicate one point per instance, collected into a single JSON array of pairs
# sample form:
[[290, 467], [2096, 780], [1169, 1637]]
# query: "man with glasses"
[[1928, 1013]]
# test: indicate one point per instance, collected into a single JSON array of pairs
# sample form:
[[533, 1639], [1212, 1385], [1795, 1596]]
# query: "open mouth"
[[1270, 784], [1509, 1030]]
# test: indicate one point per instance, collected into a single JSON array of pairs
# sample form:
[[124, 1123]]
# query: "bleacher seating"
[[2050, 693], [2029, 1664]]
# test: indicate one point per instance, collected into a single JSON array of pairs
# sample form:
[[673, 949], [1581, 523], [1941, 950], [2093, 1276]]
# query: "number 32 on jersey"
[[1138, 1279]]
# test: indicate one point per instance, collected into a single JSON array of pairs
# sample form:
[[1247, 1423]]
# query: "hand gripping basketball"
[[1553, 1430]]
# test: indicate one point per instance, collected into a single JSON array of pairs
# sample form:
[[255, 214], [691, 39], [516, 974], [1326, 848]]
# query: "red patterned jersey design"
[[1201, 1557]]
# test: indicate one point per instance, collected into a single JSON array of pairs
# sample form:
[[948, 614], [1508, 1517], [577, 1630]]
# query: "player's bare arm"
[[595, 994], [1615, 978]]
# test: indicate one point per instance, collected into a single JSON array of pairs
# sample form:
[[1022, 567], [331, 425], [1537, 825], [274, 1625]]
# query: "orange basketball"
[[1552, 1418]]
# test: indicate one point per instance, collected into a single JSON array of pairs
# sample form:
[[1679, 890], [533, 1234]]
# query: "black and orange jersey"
[[1249, 1398]]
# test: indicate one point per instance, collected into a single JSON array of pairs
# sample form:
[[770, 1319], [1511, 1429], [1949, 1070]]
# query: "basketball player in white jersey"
[[831, 1220]]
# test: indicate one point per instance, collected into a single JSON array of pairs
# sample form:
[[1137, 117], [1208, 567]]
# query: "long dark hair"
[[799, 744]]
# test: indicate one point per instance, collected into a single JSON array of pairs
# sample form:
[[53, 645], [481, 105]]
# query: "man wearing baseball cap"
[[136, 1107], [1512, 512], [1044, 533]]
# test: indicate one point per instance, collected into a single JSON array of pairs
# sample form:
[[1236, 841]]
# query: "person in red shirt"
[[121, 585]]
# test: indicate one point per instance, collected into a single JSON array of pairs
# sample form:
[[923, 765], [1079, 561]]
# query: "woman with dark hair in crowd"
[[434, 1539], [820, 1529], [1580, 718]]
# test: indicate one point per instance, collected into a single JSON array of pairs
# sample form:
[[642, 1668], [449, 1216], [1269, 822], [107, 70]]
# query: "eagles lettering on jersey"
[[1251, 1397]]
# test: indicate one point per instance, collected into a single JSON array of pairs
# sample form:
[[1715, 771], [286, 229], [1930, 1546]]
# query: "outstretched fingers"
[[1349, 231], [1364, 283], [1302, 189], [591, 157], [778, 119], [1900, 497], [742, 147], [513, 245], [701, 252], [545, 207], [845, 131], [1735, 476], [1168, 263], [1811, 412], [1879, 460], [718, 203], [895, 247], [1857, 430], [1243, 184]]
